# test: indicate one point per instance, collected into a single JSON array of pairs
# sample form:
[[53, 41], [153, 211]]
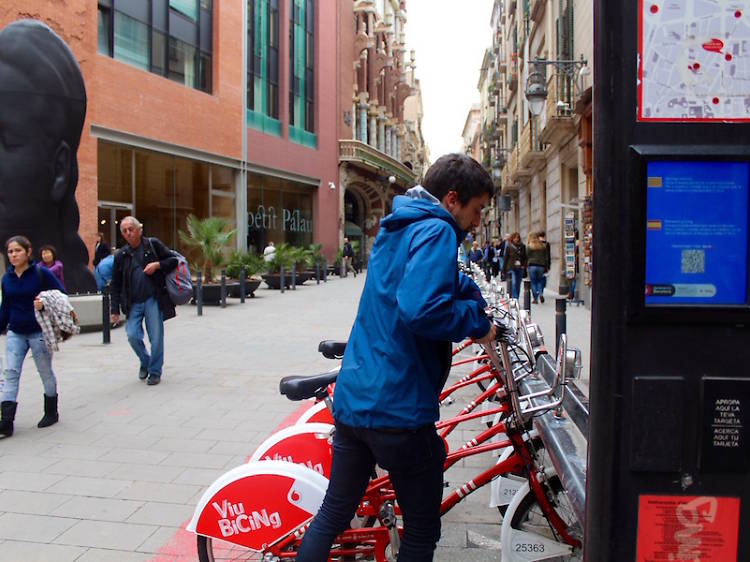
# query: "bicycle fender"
[[317, 413], [308, 444], [259, 503], [522, 546]]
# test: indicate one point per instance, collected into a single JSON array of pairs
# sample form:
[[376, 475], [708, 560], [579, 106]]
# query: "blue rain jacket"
[[413, 302]]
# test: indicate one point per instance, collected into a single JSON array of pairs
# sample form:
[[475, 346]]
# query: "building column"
[[363, 122], [388, 139], [381, 133], [354, 120], [372, 141]]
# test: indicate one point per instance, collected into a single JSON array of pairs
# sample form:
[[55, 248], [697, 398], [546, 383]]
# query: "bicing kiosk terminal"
[[670, 370]]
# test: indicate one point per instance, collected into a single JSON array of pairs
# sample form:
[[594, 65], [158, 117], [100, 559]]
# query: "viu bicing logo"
[[234, 520], [317, 467]]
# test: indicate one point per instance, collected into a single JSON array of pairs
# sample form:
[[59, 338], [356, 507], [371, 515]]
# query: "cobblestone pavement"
[[117, 479]]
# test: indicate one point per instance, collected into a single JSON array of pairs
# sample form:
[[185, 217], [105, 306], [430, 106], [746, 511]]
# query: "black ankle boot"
[[50, 411], [7, 415]]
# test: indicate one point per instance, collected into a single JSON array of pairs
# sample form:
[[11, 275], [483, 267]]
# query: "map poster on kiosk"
[[693, 63], [696, 233]]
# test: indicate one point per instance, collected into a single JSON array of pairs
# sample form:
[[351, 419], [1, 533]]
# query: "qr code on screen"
[[693, 261]]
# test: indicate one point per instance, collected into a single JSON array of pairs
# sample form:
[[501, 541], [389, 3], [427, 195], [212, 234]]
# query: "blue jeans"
[[414, 460], [536, 277], [516, 275], [16, 347], [148, 311]]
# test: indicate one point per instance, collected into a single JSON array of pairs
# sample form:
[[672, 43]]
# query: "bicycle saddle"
[[332, 349], [296, 387]]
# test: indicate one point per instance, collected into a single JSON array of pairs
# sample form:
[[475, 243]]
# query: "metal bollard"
[[325, 271], [223, 288], [105, 314], [294, 277], [242, 284], [527, 295], [317, 273], [560, 320], [342, 269], [281, 278], [198, 294]]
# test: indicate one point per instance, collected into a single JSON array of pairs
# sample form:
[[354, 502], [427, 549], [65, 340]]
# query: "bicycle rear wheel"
[[528, 517]]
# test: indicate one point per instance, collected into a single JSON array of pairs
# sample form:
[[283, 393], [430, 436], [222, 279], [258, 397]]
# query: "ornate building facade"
[[537, 133], [381, 150]]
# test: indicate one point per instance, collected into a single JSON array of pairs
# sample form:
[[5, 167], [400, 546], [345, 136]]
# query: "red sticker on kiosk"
[[687, 529]]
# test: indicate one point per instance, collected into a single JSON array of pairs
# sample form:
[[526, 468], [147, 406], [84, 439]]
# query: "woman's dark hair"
[[49, 247], [20, 240], [459, 173]]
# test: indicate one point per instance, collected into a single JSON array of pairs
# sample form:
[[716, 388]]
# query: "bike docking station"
[[670, 392]]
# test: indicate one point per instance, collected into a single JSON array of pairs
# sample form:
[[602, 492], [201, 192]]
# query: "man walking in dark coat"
[[139, 289]]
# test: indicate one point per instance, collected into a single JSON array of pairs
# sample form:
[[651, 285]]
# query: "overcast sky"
[[449, 38]]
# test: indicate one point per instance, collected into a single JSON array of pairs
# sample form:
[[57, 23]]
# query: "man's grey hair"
[[132, 219]]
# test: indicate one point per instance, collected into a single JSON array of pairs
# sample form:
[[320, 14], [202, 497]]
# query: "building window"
[[301, 71], [263, 65], [171, 38]]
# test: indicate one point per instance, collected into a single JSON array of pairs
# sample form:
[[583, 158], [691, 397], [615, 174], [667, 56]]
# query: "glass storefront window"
[[279, 211], [115, 172]]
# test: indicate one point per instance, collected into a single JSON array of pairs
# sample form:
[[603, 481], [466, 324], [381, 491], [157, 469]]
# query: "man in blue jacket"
[[398, 355]]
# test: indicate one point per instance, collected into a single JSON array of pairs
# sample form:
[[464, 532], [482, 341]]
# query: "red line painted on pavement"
[[181, 547]]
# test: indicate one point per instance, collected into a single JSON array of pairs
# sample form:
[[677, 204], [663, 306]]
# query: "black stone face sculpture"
[[42, 108]]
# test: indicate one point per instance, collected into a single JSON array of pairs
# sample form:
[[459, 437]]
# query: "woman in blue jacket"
[[21, 286]]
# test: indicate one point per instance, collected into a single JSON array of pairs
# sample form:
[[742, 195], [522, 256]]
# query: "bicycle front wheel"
[[532, 535]]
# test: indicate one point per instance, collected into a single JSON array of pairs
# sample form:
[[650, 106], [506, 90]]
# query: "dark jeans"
[[516, 276], [414, 460], [536, 277]]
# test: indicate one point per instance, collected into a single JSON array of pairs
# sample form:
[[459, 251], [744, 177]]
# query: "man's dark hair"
[[459, 173]]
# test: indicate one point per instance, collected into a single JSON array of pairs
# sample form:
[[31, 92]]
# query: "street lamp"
[[500, 158], [536, 84]]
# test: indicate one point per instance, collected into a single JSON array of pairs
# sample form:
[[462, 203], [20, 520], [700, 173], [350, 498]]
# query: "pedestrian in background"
[[514, 263], [48, 256], [347, 254], [101, 249], [398, 356], [139, 289], [476, 255], [103, 272], [269, 252], [536, 252], [21, 286], [548, 264], [496, 258]]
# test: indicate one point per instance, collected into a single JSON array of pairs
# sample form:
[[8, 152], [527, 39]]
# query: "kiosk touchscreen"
[[696, 233]]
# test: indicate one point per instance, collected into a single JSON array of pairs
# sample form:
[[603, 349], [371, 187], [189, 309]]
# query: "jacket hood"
[[416, 205]]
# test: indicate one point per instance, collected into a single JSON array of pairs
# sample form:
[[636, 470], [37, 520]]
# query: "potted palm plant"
[[283, 256], [207, 240], [253, 265]]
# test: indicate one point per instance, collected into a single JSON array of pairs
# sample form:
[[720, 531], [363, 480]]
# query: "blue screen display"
[[696, 233]]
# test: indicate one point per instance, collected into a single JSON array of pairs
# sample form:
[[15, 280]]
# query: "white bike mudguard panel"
[[259, 503], [317, 413], [308, 444], [521, 546], [503, 489], [525, 547]]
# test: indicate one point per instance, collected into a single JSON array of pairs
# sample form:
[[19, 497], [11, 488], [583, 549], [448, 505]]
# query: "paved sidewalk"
[[117, 479], [578, 329]]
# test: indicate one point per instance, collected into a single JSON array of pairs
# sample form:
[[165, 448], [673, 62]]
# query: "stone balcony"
[[560, 123], [532, 147], [369, 158]]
